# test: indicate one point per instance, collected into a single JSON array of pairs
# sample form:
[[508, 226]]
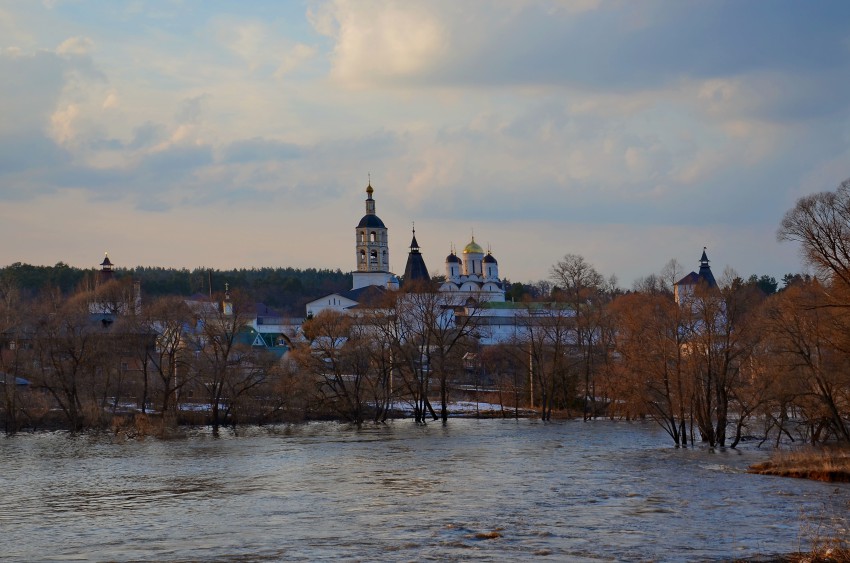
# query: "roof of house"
[[367, 294]]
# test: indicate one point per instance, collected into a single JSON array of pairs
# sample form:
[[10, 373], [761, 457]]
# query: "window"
[[373, 237]]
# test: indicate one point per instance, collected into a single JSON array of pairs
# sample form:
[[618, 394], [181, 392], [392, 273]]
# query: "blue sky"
[[239, 134]]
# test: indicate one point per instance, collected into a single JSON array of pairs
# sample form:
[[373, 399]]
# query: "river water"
[[488, 490]]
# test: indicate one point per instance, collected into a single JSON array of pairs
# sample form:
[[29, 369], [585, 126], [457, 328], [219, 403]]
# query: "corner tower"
[[371, 247], [415, 269]]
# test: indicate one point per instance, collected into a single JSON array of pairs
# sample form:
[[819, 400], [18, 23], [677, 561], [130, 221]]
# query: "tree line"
[[727, 362], [287, 289]]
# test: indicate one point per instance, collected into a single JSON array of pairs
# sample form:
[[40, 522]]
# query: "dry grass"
[[829, 464], [827, 536]]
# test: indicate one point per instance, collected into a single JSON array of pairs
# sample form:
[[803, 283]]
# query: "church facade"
[[475, 276]]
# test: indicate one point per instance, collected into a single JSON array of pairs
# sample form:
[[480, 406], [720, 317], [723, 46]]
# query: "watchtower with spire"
[[684, 288], [106, 272], [415, 270]]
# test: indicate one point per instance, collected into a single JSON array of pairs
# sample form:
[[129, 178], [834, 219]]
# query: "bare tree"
[[225, 366], [812, 350], [338, 356], [807, 319], [168, 361], [546, 332], [720, 339], [821, 224], [584, 288], [67, 351], [11, 336], [508, 364], [650, 341], [431, 333], [670, 274]]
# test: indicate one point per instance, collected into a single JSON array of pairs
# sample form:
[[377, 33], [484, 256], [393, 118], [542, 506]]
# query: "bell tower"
[[371, 247]]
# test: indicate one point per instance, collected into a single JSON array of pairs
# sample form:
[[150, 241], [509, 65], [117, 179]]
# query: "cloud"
[[146, 135], [62, 123], [27, 101], [76, 46], [378, 42], [584, 117], [609, 45], [257, 149], [190, 110], [27, 152], [294, 58], [111, 101]]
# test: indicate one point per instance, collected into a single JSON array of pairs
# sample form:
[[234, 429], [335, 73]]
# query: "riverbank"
[[830, 465]]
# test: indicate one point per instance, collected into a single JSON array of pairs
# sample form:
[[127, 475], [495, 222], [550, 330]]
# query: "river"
[[485, 490]]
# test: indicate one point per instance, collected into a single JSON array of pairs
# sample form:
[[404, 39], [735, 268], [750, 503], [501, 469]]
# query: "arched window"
[[373, 237], [362, 236], [363, 256], [374, 257]]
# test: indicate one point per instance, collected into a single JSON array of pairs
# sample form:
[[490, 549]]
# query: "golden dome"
[[473, 248]]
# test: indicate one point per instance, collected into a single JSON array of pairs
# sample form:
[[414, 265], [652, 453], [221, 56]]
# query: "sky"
[[212, 133]]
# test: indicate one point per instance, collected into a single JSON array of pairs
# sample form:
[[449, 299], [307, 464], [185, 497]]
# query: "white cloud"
[[377, 41], [246, 39], [76, 46], [297, 56], [62, 123], [111, 101]]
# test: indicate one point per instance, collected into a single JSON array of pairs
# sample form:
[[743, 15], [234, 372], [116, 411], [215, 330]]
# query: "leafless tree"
[[68, 355], [11, 339], [225, 366], [546, 332], [585, 290], [821, 224], [168, 360], [650, 341], [337, 355], [811, 348]]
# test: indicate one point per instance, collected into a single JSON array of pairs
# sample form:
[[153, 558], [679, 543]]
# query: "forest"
[[741, 359], [285, 289]]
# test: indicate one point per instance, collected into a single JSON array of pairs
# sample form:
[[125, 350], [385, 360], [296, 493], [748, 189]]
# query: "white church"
[[473, 276]]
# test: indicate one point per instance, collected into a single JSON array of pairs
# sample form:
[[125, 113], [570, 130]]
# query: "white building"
[[475, 278]]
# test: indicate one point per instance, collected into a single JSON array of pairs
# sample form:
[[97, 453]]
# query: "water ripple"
[[474, 490]]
